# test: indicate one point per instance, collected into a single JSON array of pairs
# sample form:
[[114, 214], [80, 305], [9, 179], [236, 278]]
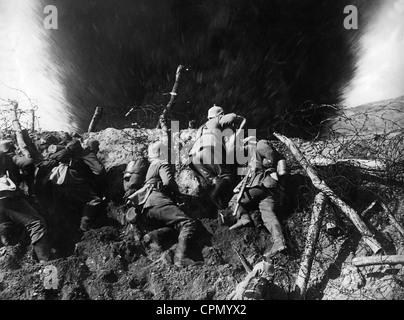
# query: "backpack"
[[135, 173]]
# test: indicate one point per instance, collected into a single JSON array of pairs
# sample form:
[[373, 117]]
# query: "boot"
[[218, 194], [277, 247], [42, 250], [160, 236], [181, 259], [90, 214]]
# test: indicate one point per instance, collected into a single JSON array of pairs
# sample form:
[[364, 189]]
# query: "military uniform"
[[134, 175], [158, 206], [14, 206], [209, 154], [263, 189], [84, 180]]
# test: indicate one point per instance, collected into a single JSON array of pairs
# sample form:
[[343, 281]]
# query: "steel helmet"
[[157, 150], [74, 146], [93, 145], [265, 152], [215, 111]]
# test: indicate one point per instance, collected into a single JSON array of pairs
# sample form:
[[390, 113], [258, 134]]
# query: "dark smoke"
[[263, 59]]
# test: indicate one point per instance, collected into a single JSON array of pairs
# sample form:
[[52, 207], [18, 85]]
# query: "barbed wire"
[[376, 134]]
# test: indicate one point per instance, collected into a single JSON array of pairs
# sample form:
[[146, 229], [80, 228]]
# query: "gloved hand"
[[127, 195]]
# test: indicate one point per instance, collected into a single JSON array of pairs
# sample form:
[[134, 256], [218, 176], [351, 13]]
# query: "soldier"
[[208, 154], [134, 175], [93, 145], [85, 177], [97, 181], [14, 204], [157, 204], [264, 188]]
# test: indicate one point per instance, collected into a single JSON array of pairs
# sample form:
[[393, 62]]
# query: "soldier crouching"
[[14, 206], [157, 206]]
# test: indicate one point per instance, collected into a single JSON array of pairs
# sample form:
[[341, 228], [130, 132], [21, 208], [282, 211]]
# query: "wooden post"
[[18, 131], [96, 117], [367, 235], [33, 120], [311, 239], [377, 260], [162, 119], [33, 151]]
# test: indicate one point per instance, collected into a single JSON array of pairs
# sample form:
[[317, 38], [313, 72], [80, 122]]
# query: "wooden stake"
[[33, 120], [377, 260], [367, 235], [162, 119], [96, 117], [18, 131], [311, 239], [369, 165]]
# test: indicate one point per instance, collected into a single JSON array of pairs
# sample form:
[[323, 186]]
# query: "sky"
[[260, 57], [26, 69], [380, 68]]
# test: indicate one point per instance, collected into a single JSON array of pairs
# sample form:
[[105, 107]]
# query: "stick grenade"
[[242, 189]]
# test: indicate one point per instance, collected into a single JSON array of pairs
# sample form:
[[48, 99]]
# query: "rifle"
[[242, 189], [244, 261]]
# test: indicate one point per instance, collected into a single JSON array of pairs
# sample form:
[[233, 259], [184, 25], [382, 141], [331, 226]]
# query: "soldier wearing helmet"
[[157, 205], [93, 145], [14, 204], [208, 155], [85, 180], [264, 189]]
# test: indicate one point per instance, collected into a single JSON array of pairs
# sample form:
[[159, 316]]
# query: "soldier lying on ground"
[[157, 206], [14, 205]]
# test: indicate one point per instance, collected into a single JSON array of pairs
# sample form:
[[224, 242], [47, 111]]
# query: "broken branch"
[[96, 117], [371, 165], [367, 235], [162, 119], [377, 260], [310, 247], [18, 131]]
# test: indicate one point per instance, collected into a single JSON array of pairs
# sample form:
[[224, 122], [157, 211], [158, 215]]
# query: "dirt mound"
[[112, 261]]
